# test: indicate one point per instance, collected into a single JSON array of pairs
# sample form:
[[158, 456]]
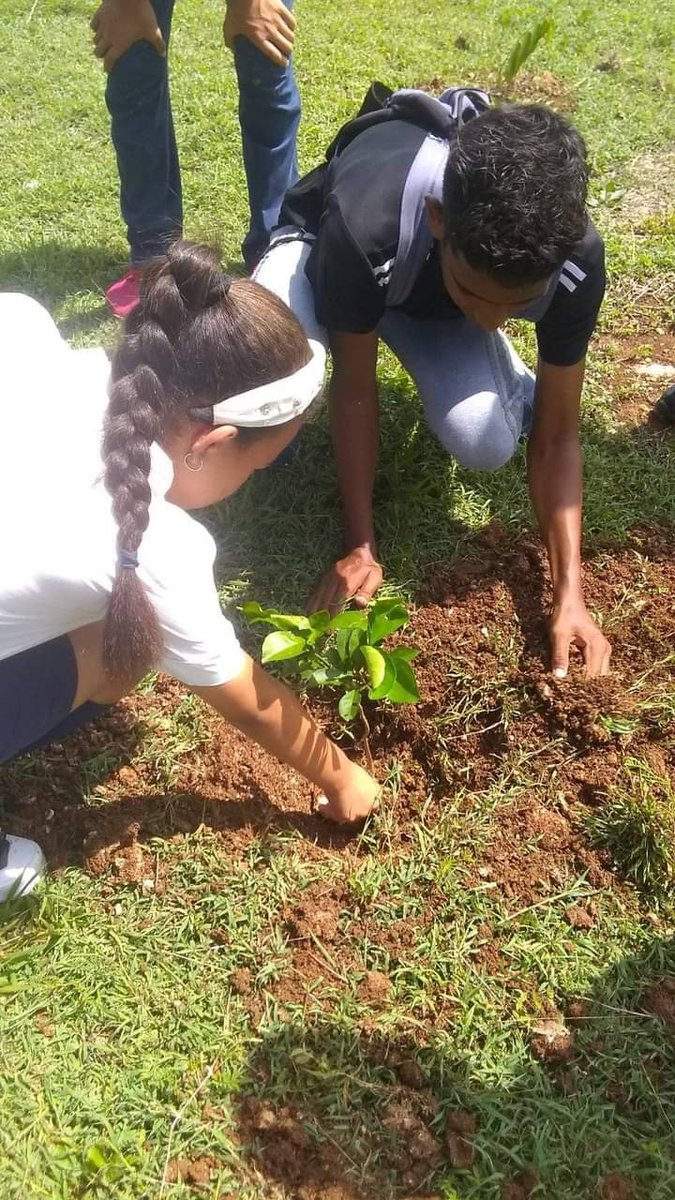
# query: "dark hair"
[[195, 338], [514, 192]]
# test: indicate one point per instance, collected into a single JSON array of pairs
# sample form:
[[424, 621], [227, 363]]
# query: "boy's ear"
[[435, 218]]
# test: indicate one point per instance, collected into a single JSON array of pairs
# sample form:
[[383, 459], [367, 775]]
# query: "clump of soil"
[[488, 705], [285, 1151], [538, 87], [551, 1041], [659, 999], [195, 1172], [317, 915], [615, 1186], [374, 988], [460, 1128], [522, 1187], [415, 1152]]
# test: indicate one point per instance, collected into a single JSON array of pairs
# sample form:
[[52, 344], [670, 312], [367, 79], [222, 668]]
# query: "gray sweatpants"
[[477, 393]]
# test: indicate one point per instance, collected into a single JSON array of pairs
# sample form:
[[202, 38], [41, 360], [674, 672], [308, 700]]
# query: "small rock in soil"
[[615, 1186], [551, 1041], [460, 1128]]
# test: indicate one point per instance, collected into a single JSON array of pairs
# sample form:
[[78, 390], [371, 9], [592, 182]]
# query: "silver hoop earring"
[[189, 466]]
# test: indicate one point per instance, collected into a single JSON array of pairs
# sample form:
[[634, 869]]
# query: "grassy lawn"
[[476, 998]]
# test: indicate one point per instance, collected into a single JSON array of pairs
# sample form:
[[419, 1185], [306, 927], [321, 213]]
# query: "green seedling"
[[524, 47], [343, 652]]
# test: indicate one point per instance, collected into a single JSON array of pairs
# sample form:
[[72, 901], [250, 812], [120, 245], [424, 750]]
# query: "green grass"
[[122, 1042]]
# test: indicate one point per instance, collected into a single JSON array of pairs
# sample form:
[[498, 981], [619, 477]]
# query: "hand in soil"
[[355, 802], [355, 577], [572, 625]]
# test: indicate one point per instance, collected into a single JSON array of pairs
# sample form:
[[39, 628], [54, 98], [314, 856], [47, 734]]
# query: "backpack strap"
[[443, 117], [425, 178]]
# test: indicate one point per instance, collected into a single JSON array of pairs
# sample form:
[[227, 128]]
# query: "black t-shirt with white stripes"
[[353, 206]]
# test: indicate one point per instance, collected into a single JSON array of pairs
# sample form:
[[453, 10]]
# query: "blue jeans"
[[477, 393], [139, 103]]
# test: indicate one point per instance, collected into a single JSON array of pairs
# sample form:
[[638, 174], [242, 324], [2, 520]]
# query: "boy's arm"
[[354, 420], [118, 24], [555, 470]]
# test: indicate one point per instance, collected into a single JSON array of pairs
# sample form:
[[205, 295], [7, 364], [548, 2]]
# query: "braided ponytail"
[[193, 335]]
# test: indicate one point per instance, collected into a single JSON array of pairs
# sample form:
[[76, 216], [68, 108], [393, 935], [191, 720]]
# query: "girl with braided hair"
[[104, 573]]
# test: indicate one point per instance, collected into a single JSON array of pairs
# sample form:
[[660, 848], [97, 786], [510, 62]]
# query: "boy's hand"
[[572, 625], [355, 577], [117, 24], [268, 24]]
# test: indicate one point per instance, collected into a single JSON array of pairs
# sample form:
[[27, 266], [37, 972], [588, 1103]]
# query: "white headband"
[[277, 402]]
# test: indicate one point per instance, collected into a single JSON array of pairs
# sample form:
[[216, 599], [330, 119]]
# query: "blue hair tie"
[[127, 560]]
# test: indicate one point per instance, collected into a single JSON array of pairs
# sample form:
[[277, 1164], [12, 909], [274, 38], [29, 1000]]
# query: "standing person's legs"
[[137, 96], [476, 391], [269, 115]]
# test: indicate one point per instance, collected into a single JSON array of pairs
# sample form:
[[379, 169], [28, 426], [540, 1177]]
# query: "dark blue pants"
[[138, 100]]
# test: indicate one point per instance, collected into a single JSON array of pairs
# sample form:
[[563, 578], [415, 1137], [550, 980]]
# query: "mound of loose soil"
[[488, 707]]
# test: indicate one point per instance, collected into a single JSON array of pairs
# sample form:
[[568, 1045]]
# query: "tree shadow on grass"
[[53, 271], [58, 274], [336, 1113]]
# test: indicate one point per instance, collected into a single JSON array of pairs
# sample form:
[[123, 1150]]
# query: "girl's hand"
[[352, 801]]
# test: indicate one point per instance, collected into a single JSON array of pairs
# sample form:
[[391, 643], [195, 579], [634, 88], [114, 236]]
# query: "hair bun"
[[218, 290], [198, 276]]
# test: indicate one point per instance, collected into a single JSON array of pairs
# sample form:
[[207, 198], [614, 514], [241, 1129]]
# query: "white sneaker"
[[22, 865]]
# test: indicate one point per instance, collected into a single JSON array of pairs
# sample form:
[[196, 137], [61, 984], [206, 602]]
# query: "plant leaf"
[[382, 624], [319, 621], [405, 689], [389, 679], [524, 47], [375, 665], [353, 619], [290, 621], [280, 645], [404, 654], [350, 703]]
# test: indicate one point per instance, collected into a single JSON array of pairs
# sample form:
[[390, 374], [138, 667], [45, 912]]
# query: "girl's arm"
[[268, 712]]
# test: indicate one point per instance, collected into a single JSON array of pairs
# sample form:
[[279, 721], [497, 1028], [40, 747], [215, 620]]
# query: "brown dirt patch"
[[488, 706], [634, 359], [551, 1041], [460, 1128], [539, 87], [286, 1153], [615, 1186], [522, 1187], [650, 190], [195, 1172], [659, 999]]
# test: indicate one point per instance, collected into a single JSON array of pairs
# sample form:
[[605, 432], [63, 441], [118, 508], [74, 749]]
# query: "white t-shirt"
[[57, 532]]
